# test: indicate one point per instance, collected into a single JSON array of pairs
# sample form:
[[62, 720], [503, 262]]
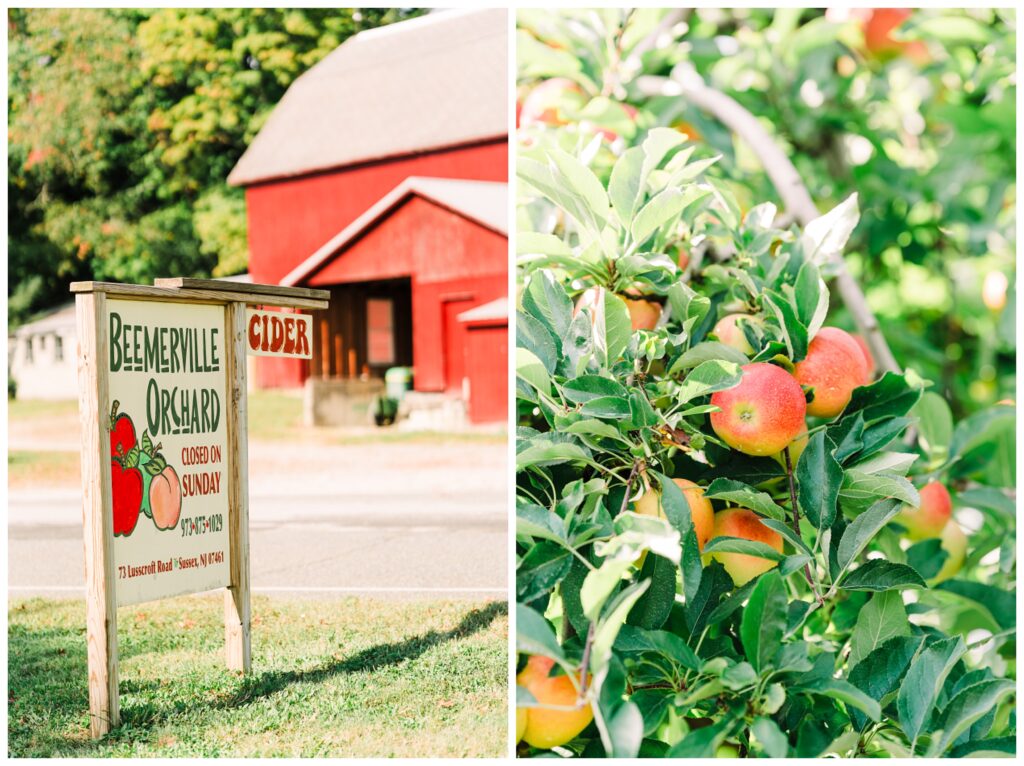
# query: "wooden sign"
[[167, 383], [273, 333], [162, 397]]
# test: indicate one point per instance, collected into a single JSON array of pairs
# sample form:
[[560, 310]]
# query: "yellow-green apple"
[[549, 728], [727, 750], [833, 367], [521, 717], [731, 334], [954, 543], [928, 519], [763, 413], [549, 101], [746, 525], [701, 512]]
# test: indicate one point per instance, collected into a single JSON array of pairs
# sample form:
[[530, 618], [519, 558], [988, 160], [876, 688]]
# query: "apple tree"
[[738, 534]]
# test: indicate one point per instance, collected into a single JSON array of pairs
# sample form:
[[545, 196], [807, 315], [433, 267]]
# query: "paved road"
[[427, 534]]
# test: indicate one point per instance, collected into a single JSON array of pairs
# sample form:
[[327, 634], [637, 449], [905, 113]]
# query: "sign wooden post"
[[164, 407]]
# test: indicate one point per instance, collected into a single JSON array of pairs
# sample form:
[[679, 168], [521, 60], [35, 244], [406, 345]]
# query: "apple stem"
[[629, 483], [796, 521], [584, 675]]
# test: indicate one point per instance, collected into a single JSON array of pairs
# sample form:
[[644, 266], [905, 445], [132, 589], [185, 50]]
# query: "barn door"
[[454, 343]]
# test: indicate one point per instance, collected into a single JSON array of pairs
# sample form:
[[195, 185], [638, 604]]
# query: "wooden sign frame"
[[94, 398]]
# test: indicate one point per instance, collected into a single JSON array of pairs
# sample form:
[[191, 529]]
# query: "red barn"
[[382, 177]]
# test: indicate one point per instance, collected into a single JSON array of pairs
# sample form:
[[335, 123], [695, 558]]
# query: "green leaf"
[[661, 209], [546, 300], [707, 351], [787, 532], [864, 528], [533, 336], [861, 490], [599, 585], [540, 523], [997, 601], [764, 620], [531, 369], [534, 635], [727, 544], [544, 452], [771, 737], [606, 407], [653, 608], [824, 238], [634, 640], [880, 672], [889, 396], [626, 731], [995, 747], [541, 569], [848, 694], [793, 330], [624, 185], [608, 628], [970, 705], [673, 503], [810, 297], [934, 424], [879, 575], [745, 496], [587, 387], [924, 680], [580, 179], [612, 330], [819, 477], [883, 618], [708, 377]]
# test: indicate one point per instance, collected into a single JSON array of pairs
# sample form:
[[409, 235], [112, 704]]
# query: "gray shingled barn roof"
[[431, 82]]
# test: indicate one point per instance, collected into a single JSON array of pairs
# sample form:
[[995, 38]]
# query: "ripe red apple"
[[550, 101], [731, 334], [165, 498], [746, 525], [763, 413], [878, 27], [551, 728], [833, 367], [931, 517], [126, 496]]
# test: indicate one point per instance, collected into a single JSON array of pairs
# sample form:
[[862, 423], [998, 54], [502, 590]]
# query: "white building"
[[41, 356]]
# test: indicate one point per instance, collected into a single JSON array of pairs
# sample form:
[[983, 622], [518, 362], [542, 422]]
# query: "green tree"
[[124, 125]]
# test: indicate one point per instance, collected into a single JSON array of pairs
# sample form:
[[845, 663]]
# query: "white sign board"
[[168, 445], [275, 333]]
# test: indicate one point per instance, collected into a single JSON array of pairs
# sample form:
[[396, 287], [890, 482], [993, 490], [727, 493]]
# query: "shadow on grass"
[[48, 695], [376, 657]]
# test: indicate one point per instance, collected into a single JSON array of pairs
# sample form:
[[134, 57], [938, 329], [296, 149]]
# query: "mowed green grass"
[[354, 677]]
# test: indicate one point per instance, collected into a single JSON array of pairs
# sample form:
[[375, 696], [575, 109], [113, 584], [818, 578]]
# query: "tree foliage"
[[124, 125], [852, 643]]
